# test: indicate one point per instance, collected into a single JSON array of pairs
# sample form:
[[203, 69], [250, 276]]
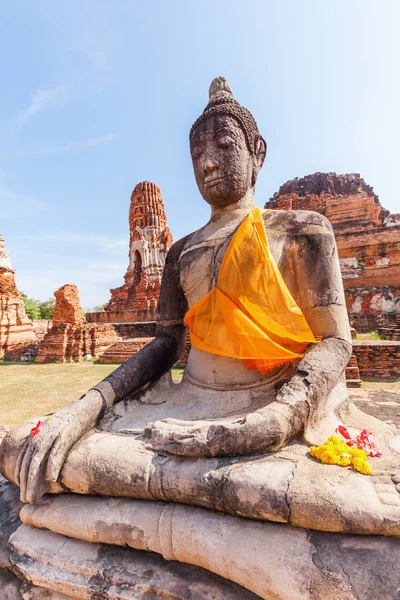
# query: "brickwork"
[[149, 241], [379, 359], [131, 311], [41, 327], [367, 236], [122, 350], [390, 328], [17, 338], [68, 307]]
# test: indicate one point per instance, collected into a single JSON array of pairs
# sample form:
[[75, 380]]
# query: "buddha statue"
[[262, 295]]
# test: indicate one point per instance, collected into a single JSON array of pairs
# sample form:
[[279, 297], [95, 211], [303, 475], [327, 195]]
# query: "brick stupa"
[[368, 240], [17, 338]]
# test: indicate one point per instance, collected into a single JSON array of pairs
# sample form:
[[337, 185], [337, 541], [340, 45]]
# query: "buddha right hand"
[[44, 454]]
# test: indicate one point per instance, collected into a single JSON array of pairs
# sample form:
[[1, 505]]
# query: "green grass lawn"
[[370, 335], [29, 390], [392, 385]]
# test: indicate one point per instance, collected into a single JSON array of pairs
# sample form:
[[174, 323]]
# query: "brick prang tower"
[[17, 338], [150, 239]]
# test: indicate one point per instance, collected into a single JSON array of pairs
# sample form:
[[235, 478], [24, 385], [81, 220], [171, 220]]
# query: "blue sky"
[[98, 96]]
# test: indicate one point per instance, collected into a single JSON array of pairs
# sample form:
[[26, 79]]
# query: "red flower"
[[35, 430], [364, 441]]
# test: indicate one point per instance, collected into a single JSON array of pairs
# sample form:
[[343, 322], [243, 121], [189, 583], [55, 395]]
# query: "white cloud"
[[70, 147], [15, 206], [40, 100]]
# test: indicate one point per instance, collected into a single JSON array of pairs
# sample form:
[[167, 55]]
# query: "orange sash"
[[251, 314]]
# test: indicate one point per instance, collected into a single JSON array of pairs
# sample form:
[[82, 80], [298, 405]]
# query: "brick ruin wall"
[[41, 327], [378, 359], [368, 241], [120, 316], [17, 338], [70, 338]]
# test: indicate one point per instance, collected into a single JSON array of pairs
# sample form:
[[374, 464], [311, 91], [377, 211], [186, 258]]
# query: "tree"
[[47, 308], [32, 307], [99, 308]]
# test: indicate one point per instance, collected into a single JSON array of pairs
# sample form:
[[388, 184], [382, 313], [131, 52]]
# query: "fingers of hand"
[[58, 453], [32, 473], [33, 465], [184, 442], [30, 449]]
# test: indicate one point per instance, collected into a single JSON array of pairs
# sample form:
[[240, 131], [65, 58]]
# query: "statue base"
[[165, 550]]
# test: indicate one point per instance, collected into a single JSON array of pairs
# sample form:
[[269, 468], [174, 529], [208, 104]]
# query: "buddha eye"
[[225, 141], [197, 152]]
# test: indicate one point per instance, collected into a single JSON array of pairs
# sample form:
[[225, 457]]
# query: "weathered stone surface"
[[9, 518], [272, 561], [382, 404], [88, 571], [367, 236], [9, 522], [17, 338], [10, 586]]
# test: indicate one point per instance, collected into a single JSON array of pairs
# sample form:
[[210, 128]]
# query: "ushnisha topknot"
[[221, 101]]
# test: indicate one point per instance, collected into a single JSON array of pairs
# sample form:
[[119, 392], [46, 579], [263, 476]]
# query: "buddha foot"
[[263, 560], [60, 567]]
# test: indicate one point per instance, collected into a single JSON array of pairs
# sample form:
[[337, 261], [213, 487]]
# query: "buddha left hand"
[[265, 429]]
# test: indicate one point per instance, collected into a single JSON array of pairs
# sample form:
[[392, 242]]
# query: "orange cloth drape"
[[251, 314]]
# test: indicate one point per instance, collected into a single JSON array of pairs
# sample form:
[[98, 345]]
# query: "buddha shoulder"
[[177, 248], [297, 222]]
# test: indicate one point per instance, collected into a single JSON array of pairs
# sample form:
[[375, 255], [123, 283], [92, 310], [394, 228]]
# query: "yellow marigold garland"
[[337, 452]]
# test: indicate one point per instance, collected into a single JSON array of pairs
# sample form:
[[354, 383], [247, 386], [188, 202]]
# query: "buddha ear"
[[260, 150]]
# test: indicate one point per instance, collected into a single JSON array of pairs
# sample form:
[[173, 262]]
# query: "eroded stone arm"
[[321, 297], [159, 355]]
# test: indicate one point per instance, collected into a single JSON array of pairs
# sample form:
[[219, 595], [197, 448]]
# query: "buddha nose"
[[210, 165]]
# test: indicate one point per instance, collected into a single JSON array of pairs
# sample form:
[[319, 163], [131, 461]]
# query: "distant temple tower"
[[150, 239], [5, 256], [17, 338]]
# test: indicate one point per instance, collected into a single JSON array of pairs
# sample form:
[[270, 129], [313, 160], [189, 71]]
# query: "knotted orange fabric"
[[251, 314]]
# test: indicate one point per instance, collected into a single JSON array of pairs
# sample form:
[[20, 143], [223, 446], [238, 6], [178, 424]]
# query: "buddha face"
[[223, 166]]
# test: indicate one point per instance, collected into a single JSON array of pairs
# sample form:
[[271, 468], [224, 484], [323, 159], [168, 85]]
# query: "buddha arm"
[[159, 355], [320, 295], [313, 276], [43, 455]]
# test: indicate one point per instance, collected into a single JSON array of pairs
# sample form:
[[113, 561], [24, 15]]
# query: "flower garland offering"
[[364, 441], [337, 452], [352, 452]]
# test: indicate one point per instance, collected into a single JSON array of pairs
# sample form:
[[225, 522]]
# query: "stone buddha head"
[[226, 147]]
